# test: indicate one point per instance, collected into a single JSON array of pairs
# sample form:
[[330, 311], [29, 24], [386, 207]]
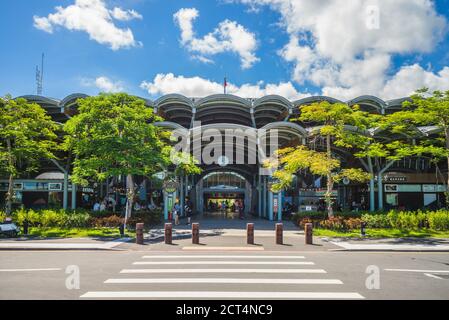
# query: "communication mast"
[[40, 78]]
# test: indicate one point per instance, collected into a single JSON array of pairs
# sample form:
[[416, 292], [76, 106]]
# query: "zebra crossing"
[[236, 276]]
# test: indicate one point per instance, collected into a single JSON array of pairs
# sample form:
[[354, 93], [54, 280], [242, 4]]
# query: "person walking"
[[188, 211]]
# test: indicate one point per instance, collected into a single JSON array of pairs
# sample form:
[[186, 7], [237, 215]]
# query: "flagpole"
[[225, 85]]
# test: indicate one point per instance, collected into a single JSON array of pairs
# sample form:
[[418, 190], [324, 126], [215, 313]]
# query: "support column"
[[259, 197], [372, 195], [270, 206], [165, 205], [182, 196], [280, 206], [264, 207], [74, 189], [65, 199], [380, 194]]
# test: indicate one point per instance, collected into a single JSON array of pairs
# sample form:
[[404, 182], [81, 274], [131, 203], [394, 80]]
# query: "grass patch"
[[383, 233], [77, 233]]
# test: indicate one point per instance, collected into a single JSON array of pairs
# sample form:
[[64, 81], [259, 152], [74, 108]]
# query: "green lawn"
[[383, 233], [77, 233]]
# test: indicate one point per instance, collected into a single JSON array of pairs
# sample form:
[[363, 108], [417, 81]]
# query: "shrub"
[[376, 220], [107, 222], [2, 216], [335, 223], [352, 223], [149, 218], [439, 220], [32, 217], [52, 218], [76, 220]]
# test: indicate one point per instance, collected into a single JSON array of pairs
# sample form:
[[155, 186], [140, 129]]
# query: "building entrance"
[[223, 204]]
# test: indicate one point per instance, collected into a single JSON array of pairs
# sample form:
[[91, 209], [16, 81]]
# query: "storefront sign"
[[434, 188], [395, 179], [170, 186], [275, 205]]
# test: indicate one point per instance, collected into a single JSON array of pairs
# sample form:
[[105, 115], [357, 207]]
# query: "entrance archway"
[[219, 192]]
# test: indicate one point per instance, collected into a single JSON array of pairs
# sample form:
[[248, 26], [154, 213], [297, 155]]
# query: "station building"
[[412, 183]]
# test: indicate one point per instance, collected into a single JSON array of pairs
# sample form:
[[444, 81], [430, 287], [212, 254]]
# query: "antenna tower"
[[40, 77]]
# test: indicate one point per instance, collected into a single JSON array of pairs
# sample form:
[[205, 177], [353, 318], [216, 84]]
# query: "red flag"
[[225, 85]]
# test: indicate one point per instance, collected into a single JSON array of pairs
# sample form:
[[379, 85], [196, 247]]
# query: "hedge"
[[404, 220], [81, 218]]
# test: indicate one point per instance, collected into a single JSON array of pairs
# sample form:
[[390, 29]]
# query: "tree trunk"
[[330, 182], [10, 194], [446, 132], [130, 196]]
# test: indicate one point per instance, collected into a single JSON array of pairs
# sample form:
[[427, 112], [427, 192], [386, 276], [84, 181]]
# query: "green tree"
[[27, 135], [429, 110], [340, 126], [114, 135]]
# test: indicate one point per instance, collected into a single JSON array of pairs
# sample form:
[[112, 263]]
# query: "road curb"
[[108, 246]]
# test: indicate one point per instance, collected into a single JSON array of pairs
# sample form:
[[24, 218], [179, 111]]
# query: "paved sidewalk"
[[402, 244], [62, 244], [224, 228]]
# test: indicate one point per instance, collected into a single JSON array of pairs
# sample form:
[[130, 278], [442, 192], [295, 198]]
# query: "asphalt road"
[[224, 274]]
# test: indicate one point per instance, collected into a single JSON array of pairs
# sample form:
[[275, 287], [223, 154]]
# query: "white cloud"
[[125, 15], [92, 17], [409, 78], [104, 84], [199, 87], [332, 47], [229, 36]]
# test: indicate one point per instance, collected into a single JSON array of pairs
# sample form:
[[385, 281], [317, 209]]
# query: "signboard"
[[275, 205], [55, 186], [403, 188], [434, 188], [395, 178], [170, 186]]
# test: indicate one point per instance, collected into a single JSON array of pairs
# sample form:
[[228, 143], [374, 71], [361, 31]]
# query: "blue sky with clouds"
[[294, 48]]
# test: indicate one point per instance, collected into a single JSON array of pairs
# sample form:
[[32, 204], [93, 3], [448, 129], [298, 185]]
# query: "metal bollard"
[[139, 233], [195, 233], [168, 233], [308, 231], [279, 233], [250, 233]]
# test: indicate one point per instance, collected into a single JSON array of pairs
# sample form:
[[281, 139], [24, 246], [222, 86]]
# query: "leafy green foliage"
[[27, 135]]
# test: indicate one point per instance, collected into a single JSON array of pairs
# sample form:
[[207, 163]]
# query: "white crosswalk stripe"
[[283, 263], [256, 277], [184, 271], [225, 280], [221, 257]]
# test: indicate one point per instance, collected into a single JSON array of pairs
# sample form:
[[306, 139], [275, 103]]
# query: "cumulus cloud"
[[347, 49], [199, 87], [94, 18], [229, 36], [104, 84], [125, 15]]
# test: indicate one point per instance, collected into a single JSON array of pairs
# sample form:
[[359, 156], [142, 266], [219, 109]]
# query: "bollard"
[[363, 229], [139, 233], [250, 233], [279, 233], [308, 231], [195, 233], [168, 233]]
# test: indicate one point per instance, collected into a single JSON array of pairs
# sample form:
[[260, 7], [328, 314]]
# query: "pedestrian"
[[188, 211]]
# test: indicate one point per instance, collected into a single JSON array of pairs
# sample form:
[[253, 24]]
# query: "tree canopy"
[[27, 135]]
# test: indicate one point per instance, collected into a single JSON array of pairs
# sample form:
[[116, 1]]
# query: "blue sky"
[[290, 47]]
